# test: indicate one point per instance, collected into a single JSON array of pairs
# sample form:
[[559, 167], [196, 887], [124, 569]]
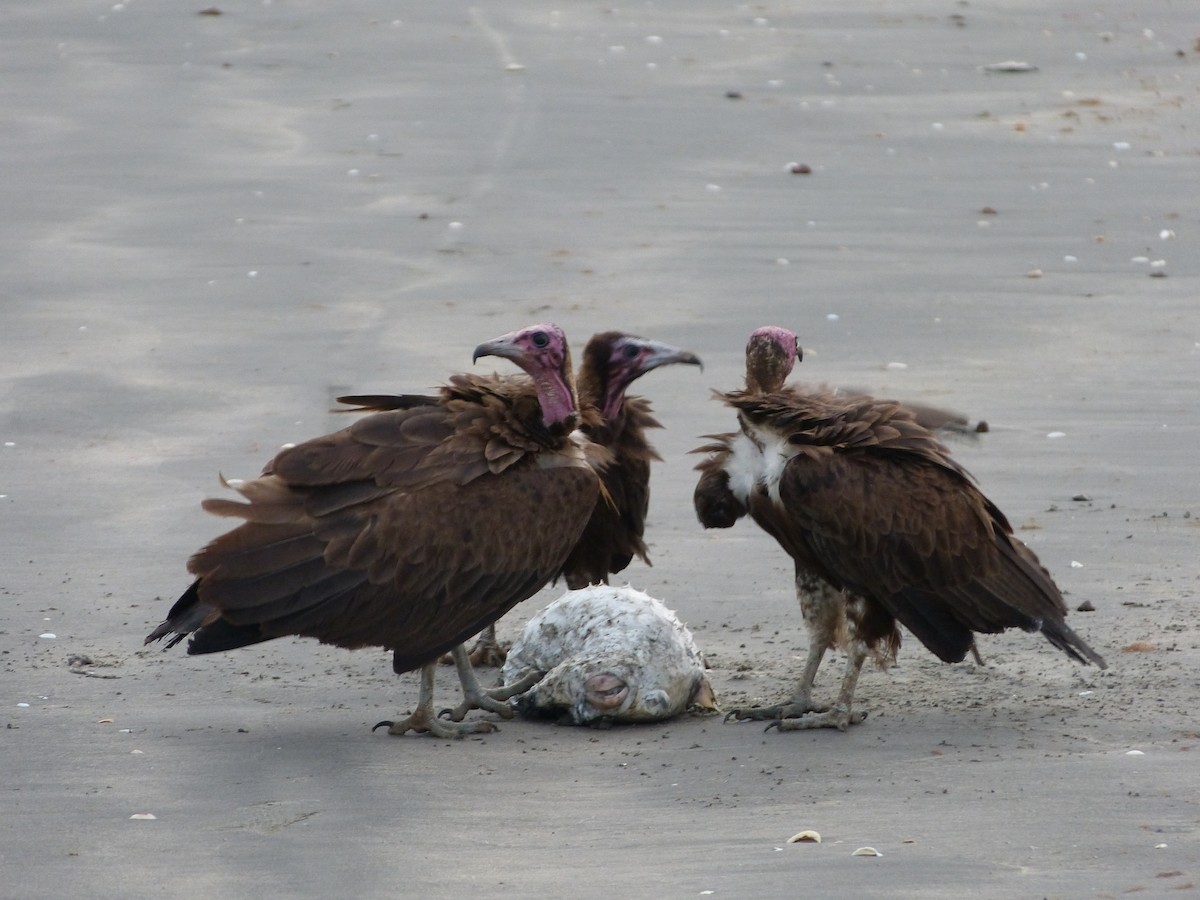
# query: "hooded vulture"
[[411, 529], [611, 362], [883, 525]]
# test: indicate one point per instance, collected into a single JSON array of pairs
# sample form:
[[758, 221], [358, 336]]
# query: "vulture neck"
[[556, 396], [766, 373], [599, 387]]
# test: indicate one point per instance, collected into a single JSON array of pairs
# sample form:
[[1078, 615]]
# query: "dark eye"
[[631, 351], [540, 339]]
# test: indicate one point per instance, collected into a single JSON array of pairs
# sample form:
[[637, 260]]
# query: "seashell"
[[866, 851], [805, 837]]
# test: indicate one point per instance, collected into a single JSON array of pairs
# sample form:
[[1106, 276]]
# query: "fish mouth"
[[605, 691]]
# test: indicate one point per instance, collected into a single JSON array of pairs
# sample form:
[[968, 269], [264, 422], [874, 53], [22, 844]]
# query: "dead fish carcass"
[[610, 654]]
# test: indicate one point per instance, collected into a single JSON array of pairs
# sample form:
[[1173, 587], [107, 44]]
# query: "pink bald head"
[[771, 353], [542, 351]]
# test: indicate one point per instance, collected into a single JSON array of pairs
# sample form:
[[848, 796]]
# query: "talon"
[[733, 714], [447, 713], [778, 723], [383, 724]]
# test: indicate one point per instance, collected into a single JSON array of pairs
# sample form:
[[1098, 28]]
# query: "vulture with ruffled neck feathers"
[[411, 529], [883, 525], [612, 361]]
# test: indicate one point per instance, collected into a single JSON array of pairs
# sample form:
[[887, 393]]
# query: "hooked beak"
[[505, 346], [664, 355]]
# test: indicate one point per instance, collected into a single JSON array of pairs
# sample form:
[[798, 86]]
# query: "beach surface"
[[218, 220]]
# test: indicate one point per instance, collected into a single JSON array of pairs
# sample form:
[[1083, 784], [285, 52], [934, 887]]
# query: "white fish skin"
[[610, 654]]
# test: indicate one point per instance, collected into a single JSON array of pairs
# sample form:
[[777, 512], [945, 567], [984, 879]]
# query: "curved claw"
[[422, 724], [841, 719], [763, 713], [386, 723]]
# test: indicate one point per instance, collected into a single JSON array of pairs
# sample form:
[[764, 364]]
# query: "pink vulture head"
[[542, 351]]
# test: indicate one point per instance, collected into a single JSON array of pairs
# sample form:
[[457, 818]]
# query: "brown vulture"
[[612, 361], [883, 525], [411, 529]]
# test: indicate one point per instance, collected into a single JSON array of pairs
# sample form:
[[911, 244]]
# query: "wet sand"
[[215, 224]]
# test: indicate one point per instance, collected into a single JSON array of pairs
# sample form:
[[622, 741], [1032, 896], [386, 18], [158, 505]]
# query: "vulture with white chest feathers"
[[883, 525], [412, 529]]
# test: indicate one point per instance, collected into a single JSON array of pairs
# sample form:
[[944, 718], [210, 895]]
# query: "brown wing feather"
[[613, 535], [716, 505], [415, 572], [874, 503], [411, 529]]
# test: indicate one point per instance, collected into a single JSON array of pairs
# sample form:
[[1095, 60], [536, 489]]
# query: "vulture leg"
[[488, 651], [839, 715], [423, 720], [821, 606], [476, 696]]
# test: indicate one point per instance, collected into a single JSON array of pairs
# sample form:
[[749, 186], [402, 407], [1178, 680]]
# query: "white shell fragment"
[[144, 816], [866, 851], [805, 837], [1134, 753]]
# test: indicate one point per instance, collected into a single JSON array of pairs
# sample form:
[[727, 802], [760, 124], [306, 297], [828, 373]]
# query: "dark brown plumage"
[[883, 526], [612, 361], [411, 529]]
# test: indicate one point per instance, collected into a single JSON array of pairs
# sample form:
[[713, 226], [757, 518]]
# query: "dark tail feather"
[[212, 633], [185, 616], [385, 402], [1066, 640], [220, 635]]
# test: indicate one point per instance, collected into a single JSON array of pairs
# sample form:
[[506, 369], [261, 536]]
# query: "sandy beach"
[[217, 221]]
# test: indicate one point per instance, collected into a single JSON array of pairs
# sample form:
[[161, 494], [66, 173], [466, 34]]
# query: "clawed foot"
[[422, 722], [778, 711], [838, 717], [487, 652], [798, 716], [493, 699]]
